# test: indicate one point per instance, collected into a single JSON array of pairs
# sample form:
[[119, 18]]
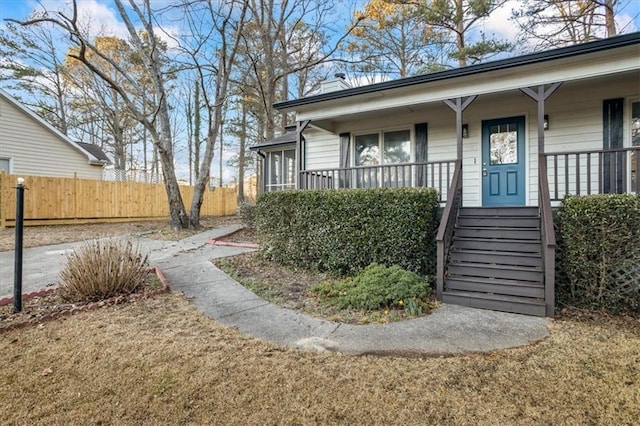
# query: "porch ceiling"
[[331, 118]]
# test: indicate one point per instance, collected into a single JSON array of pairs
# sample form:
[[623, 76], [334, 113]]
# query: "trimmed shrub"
[[247, 213], [599, 252], [377, 287], [344, 231], [100, 270]]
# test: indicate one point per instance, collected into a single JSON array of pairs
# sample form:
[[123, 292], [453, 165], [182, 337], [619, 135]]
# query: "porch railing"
[[548, 237], [593, 172], [447, 224], [436, 174]]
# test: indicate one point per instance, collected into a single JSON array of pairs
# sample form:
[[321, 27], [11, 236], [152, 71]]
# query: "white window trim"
[[277, 186], [10, 171]]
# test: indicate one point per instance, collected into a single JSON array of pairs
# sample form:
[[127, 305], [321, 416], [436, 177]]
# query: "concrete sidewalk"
[[186, 263]]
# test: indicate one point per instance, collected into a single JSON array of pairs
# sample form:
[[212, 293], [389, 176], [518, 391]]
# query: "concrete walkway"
[[186, 263]]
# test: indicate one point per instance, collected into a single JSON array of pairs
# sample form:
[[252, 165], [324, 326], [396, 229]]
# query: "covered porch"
[[502, 142]]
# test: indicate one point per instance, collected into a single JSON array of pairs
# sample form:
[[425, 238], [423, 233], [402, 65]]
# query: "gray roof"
[[96, 151], [286, 139], [563, 52]]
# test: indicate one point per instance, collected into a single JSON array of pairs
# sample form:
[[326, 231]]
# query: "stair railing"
[[548, 236], [447, 224]]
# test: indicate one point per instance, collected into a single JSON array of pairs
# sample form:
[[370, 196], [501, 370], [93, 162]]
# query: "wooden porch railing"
[[548, 237], [436, 174], [447, 223], [593, 172]]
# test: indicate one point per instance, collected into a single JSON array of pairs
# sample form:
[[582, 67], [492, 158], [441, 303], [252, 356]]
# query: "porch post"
[[540, 96], [300, 126], [458, 105], [544, 203]]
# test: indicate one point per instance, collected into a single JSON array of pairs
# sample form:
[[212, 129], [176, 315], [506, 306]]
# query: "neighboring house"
[[502, 142], [31, 146]]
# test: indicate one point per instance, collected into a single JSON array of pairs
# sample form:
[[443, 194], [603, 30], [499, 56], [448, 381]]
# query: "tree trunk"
[[609, 17], [241, 154]]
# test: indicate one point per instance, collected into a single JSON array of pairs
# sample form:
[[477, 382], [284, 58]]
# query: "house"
[[503, 142], [31, 146]]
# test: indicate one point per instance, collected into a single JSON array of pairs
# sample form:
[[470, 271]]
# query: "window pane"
[[503, 142], [4, 165], [275, 168], [367, 150], [290, 167], [397, 147]]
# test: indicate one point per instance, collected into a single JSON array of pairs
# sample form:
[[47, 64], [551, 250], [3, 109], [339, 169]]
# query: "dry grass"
[[159, 361], [35, 236]]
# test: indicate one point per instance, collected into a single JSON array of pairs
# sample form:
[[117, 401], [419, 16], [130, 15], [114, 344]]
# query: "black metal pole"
[[17, 276]]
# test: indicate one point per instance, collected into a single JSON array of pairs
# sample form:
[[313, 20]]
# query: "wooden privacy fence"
[[53, 200]]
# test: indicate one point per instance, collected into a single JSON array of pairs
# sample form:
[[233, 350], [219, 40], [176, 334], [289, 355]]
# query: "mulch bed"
[[45, 305]]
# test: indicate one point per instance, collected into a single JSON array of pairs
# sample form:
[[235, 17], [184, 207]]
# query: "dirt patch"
[[291, 288], [48, 305], [243, 235], [35, 236], [159, 361]]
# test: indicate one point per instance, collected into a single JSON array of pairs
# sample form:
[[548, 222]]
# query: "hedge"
[[343, 231], [599, 252]]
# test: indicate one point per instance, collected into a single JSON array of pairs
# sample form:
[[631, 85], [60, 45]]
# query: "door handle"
[[484, 169]]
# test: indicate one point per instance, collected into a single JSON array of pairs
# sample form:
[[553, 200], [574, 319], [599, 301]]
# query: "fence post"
[[75, 196]]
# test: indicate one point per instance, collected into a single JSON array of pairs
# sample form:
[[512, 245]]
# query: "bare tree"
[[148, 104], [214, 30], [32, 61]]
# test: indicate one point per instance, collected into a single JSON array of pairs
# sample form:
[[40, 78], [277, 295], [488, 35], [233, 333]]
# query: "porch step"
[[498, 232], [520, 273], [498, 211], [495, 260], [496, 286], [503, 245], [495, 302], [497, 257]]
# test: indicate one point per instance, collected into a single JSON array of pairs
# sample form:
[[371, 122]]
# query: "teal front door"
[[503, 169]]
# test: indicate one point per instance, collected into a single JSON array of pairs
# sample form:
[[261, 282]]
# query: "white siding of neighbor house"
[[575, 115], [35, 150]]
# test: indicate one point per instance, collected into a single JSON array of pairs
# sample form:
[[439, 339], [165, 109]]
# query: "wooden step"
[[495, 286], [520, 273], [498, 211], [518, 305], [498, 233], [499, 221], [494, 257], [507, 245]]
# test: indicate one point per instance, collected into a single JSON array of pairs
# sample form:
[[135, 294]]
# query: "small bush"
[[100, 270], [247, 214], [377, 287], [343, 231], [599, 251]]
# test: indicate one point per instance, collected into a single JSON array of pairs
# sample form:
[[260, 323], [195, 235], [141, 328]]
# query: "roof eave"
[[532, 58]]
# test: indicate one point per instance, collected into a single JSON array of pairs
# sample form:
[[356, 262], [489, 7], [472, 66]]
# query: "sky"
[[103, 18]]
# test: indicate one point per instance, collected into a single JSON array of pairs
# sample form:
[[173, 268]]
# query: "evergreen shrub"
[[343, 231], [599, 252]]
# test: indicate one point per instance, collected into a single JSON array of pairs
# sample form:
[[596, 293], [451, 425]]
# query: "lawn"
[[159, 361]]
